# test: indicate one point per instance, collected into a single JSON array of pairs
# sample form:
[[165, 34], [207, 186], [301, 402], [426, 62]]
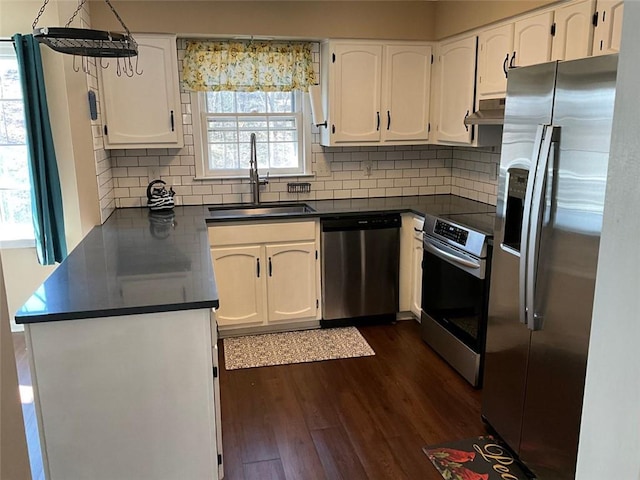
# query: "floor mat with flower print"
[[480, 458]]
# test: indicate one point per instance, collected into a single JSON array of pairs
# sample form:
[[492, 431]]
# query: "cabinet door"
[[606, 37], [457, 70], [532, 40], [356, 93], [291, 281], [407, 86], [144, 110], [574, 31], [240, 276], [494, 52], [416, 277]]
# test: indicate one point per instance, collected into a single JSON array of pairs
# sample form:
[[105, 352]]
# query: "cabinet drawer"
[[239, 234]]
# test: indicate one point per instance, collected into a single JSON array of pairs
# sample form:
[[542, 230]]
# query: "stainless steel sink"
[[259, 210]]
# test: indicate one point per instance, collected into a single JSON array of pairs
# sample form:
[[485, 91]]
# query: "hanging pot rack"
[[86, 42]]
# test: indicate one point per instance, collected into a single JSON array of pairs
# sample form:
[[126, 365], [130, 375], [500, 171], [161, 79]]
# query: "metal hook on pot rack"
[[128, 67], [141, 71]]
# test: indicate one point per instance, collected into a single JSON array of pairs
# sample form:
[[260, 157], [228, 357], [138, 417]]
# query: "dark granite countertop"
[[137, 262], [141, 262], [433, 204]]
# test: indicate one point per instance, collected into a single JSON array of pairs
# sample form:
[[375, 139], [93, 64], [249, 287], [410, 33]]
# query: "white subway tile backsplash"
[[342, 176], [368, 183], [340, 172], [419, 182], [128, 182], [342, 194]]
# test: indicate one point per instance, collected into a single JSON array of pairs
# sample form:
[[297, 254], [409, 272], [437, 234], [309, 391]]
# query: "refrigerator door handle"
[[526, 219], [551, 135]]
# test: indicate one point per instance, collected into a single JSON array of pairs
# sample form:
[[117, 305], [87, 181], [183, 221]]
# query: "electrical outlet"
[[367, 165], [153, 172], [323, 168]]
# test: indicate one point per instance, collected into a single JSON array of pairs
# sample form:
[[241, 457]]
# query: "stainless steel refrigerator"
[[553, 171]]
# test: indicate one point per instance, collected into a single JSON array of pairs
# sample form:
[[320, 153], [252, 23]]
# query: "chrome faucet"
[[254, 178]]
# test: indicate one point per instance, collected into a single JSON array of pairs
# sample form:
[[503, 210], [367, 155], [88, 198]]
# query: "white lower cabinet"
[[416, 275], [291, 281], [267, 274], [240, 280], [127, 396]]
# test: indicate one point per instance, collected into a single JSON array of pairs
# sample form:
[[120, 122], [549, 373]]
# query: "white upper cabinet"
[[456, 75], [406, 93], [606, 37], [495, 47], [532, 40], [573, 30], [526, 41], [355, 112], [143, 111], [375, 93]]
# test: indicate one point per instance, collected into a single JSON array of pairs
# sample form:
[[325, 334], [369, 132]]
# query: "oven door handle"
[[450, 256]]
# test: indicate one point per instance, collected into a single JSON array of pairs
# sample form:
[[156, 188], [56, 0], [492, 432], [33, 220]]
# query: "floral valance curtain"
[[248, 66]]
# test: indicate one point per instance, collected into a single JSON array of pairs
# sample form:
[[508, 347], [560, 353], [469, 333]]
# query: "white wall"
[[78, 161], [610, 431]]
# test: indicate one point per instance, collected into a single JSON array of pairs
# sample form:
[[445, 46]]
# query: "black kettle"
[[159, 198]]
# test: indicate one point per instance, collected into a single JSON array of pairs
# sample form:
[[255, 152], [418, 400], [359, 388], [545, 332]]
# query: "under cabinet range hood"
[[490, 112]]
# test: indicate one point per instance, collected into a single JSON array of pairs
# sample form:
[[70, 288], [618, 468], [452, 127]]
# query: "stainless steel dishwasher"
[[360, 269]]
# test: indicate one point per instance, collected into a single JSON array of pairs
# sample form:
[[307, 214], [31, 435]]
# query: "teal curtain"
[[46, 196]]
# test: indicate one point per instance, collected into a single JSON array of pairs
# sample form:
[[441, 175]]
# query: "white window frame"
[[23, 242], [201, 151]]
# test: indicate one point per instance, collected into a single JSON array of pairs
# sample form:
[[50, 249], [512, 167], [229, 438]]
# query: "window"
[[225, 120], [15, 197]]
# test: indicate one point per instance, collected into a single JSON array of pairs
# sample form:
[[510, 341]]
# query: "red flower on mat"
[[466, 474], [451, 455]]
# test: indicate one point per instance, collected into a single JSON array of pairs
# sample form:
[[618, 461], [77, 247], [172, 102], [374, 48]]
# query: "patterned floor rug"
[[294, 347], [480, 458]]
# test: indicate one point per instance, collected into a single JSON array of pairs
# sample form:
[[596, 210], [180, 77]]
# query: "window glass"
[[15, 199], [230, 119]]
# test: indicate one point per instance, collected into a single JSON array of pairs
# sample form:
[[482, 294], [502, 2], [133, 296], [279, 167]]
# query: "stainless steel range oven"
[[455, 289]]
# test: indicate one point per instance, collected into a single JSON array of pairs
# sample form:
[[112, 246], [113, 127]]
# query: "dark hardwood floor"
[[362, 418], [28, 407], [351, 419]]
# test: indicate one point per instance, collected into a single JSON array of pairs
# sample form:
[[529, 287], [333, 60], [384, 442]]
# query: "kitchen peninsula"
[[123, 349], [123, 352]]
